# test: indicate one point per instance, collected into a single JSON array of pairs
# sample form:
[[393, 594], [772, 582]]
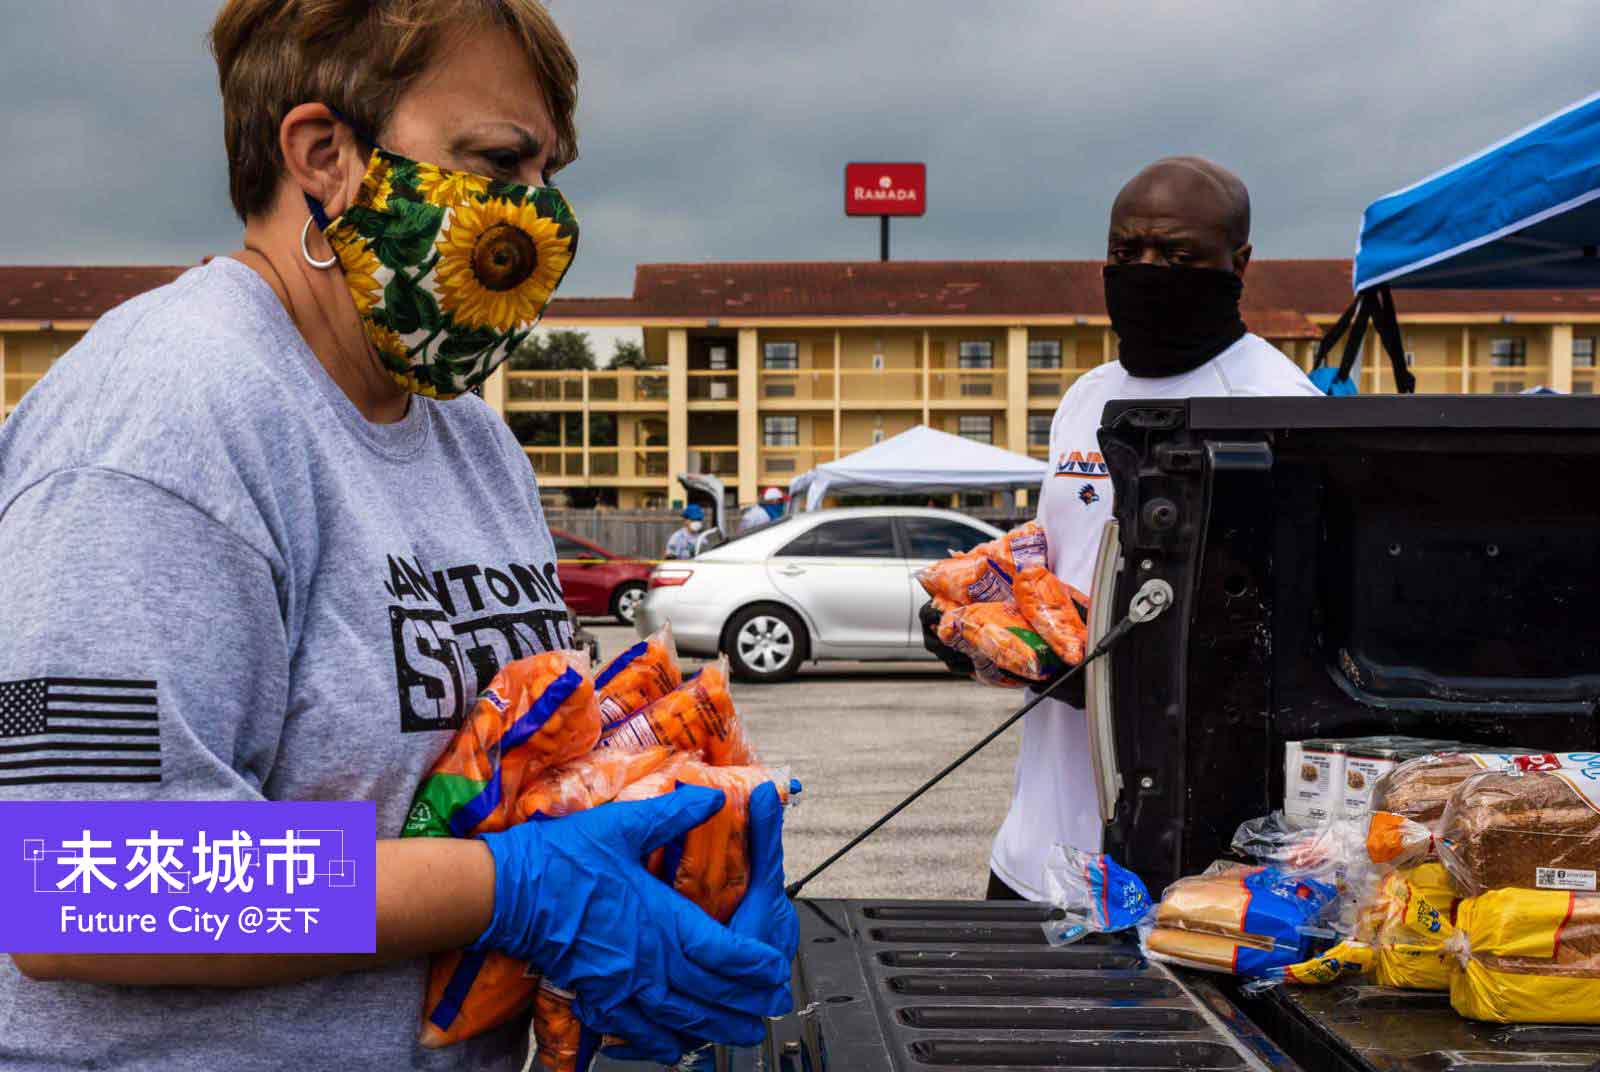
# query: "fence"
[[643, 533], [634, 533]]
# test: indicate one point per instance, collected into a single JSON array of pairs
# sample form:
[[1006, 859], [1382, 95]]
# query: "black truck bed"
[[917, 986], [908, 985]]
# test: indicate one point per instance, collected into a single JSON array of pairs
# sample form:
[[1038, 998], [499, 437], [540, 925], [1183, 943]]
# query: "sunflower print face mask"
[[449, 270]]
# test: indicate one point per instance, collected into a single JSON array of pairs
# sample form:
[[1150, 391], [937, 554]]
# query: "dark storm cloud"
[[720, 130]]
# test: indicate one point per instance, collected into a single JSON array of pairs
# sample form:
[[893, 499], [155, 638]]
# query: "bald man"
[[1176, 254]]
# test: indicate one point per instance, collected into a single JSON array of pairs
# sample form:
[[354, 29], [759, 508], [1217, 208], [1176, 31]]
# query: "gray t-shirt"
[[188, 499]]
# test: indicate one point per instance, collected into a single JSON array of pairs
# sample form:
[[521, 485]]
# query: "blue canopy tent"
[[1522, 214]]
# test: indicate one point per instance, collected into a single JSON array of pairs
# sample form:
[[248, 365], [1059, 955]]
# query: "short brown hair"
[[358, 56]]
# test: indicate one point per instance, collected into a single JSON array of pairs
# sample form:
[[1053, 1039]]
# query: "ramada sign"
[[885, 189]]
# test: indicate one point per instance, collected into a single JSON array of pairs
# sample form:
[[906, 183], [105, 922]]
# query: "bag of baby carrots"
[[638, 677], [999, 634], [470, 993], [1055, 610], [966, 578], [697, 716], [710, 865], [538, 712]]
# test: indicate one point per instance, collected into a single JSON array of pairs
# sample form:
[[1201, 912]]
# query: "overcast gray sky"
[[718, 129]]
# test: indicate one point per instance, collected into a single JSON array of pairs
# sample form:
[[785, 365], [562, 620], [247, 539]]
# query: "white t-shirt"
[[1055, 800]]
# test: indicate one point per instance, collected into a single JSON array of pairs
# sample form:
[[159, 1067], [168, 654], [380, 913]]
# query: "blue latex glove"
[[573, 898], [765, 914]]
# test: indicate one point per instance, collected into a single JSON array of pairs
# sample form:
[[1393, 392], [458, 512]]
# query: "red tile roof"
[[59, 292], [1279, 296]]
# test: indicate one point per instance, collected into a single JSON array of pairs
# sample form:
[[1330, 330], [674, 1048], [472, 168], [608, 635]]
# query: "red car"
[[597, 582]]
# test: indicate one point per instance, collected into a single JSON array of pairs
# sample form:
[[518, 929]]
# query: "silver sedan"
[[833, 584]]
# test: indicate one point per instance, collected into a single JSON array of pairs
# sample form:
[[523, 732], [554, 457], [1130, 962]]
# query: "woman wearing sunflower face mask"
[[265, 489]]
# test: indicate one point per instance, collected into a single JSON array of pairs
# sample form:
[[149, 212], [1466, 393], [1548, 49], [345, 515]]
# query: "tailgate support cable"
[[1153, 597]]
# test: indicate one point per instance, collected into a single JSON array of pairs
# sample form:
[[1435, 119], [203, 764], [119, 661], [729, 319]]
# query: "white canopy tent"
[[919, 459]]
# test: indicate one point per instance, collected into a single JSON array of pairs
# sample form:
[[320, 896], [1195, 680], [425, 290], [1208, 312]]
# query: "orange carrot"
[[638, 677], [697, 716], [1051, 607]]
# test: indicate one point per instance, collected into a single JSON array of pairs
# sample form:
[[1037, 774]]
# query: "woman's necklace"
[[288, 302]]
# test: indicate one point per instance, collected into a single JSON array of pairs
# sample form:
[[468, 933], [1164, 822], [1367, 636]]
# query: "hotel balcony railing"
[[713, 385], [1051, 383], [780, 463], [544, 386], [605, 385], [977, 386], [715, 461], [800, 385], [627, 385], [555, 461], [603, 461], [881, 385]]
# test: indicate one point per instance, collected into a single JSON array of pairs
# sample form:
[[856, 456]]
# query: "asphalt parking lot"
[[860, 736]]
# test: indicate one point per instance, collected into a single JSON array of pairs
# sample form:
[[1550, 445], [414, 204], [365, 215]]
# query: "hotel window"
[[1508, 353], [1044, 353], [979, 429], [976, 355], [1039, 429], [1583, 351], [780, 355], [1508, 387], [717, 358], [780, 431]]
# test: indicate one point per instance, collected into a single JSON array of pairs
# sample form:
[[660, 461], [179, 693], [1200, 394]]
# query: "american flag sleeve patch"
[[79, 729]]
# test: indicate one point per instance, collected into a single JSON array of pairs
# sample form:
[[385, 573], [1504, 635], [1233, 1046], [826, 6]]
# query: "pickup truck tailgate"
[[927, 985]]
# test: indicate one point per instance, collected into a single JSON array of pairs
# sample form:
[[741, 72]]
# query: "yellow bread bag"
[[1527, 956], [1348, 958], [1410, 942], [1399, 938]]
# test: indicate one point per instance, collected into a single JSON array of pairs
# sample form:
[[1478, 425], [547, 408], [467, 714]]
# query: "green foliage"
[[554, 350], [628, 354]]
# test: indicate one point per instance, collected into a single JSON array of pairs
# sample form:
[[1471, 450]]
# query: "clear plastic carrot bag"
[[470, 993], [998, 633], [975, 576], [537, 713], [710, 865], [638, 677], [1055, 610], [712, 868], [697, 716]]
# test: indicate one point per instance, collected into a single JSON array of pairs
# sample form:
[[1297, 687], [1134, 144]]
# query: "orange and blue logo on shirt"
[[1091, 466], [1087, 495]]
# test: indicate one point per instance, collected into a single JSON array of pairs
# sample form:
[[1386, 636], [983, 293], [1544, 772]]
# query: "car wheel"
[[765, 644], [625, 602]]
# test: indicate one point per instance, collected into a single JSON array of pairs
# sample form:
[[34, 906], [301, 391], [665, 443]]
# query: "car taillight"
[[670, 576]]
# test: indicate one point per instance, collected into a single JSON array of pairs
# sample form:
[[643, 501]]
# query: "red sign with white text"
[[885, 189]]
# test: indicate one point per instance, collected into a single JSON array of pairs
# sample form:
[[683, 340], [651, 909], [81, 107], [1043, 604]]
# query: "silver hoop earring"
[[306, 253]]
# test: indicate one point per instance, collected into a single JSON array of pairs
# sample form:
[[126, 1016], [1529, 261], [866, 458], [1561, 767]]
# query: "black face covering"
[[1171, 320]]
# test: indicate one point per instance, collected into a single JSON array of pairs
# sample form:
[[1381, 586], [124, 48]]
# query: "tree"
[[628, 354], [554, 351]]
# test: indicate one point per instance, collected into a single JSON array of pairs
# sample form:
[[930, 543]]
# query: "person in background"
[[681, 543], [308, 508], [1176, 252], [769, 509]]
